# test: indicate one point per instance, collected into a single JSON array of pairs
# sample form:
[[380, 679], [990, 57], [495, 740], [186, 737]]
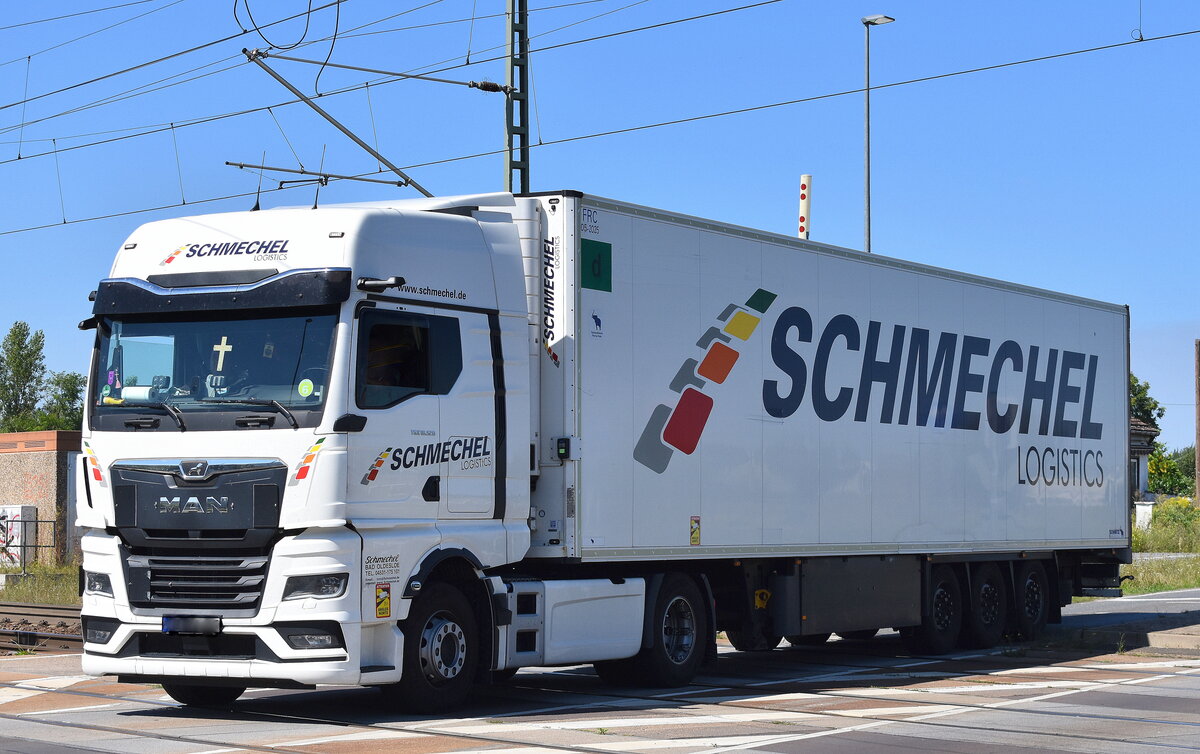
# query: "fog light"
[[326, 585], [312, 641], [99, 630], [97, 583]]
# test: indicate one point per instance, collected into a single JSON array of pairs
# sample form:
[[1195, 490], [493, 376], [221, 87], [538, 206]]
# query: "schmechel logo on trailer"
[[679, 428], [262, 251], [907, 376]]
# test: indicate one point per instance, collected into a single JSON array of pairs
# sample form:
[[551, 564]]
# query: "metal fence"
[[21, 539]]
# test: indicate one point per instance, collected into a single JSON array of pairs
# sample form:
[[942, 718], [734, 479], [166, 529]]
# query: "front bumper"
[[249, 650]]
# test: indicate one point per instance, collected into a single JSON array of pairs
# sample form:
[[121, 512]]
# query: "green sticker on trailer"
[[597, 265]]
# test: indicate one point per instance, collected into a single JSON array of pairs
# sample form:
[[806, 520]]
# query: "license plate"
[[191, 624]]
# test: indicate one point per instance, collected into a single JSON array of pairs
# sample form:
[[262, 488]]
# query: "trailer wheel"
[[988, 607], [808, 640], [441, 651], [203, 696], [1033, 599], [939, 629], [865, 634]]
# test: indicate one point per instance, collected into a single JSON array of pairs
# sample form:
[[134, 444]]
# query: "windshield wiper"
[[172, 411], [258, 402]]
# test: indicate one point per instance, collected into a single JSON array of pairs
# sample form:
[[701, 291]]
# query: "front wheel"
[[203, 696], [441, 651]]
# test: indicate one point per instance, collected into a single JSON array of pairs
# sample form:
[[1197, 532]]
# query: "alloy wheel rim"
[[679, 630], [443, 649]]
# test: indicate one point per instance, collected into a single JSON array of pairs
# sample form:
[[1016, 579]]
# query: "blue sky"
[[1074, 174]]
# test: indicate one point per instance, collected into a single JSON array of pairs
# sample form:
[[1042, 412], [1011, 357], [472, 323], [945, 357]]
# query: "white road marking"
[[977, 687], [681, 743], [915, 709], [367, 735], [628, 722], [952, 710], [35, 686], [63, 710], [30, 657]]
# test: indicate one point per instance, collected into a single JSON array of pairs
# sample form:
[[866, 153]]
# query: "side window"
[[401, 355]]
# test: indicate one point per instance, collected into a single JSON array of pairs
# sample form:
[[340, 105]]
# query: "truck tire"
[[441, 651], [203, 696], [1033, 599], [864, 634], [987, 607], [808, 640], [942, 624], [753, 641], [679, 633]]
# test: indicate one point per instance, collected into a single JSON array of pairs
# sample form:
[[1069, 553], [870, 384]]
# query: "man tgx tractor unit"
[[420, 443]]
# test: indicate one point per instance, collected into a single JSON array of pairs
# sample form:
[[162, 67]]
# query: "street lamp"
[[868, 22]]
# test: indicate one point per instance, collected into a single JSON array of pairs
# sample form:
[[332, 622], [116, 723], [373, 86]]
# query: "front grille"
[[238, 646], [200, 583]]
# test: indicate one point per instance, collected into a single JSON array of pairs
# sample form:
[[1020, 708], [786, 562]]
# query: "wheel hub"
[[943, 608], [989, 603], [679, 630], [443, 650], [1033, 598]]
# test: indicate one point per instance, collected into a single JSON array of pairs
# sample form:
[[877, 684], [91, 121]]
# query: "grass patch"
[[45, 585], [1162, 575]]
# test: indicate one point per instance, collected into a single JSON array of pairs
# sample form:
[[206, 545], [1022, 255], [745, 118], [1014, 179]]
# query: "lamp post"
[[868, 22]]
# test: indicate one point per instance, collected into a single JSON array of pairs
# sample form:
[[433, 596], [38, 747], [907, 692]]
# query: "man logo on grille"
[[194, 469]]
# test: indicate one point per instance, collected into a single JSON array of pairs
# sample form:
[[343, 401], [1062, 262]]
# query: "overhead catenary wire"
[[158, 128], [74, 15], [155, 61], [134, 92], [337, 22], [410, 74], [94, 33], [661, 124]]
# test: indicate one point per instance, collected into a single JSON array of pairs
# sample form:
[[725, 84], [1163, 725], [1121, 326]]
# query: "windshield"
[[200, 367]]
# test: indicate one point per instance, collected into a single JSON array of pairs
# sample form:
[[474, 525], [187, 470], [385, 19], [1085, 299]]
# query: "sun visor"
[[321, 287]]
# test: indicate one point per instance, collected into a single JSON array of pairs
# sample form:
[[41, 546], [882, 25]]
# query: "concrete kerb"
[[1178, 632]]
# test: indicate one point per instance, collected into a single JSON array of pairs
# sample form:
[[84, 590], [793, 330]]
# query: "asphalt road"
[[844, 697]]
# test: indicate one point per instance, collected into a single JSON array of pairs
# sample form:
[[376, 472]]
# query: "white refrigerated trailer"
[[417, 444]]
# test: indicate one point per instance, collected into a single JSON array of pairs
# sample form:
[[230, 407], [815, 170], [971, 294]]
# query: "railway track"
[[39, 628]]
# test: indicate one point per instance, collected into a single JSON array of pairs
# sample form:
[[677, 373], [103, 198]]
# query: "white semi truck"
[[420, 444]]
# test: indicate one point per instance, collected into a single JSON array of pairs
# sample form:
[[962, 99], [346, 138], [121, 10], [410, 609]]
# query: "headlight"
[[97, 583], [323, 586]]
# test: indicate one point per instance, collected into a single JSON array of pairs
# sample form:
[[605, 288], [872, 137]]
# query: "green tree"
[[1165, 477], [22, 372], [1141, 405], [63, 405], [29, 399], [1185, 459]]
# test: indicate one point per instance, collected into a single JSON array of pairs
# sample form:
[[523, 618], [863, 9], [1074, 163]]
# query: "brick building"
[[39, 469]]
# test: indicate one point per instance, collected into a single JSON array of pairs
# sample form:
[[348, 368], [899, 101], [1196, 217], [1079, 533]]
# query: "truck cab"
[[294, 417]]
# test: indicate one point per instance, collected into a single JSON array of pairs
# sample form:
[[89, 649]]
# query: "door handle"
[[432, 491]]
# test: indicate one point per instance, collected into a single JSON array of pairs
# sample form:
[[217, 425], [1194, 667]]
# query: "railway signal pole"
[[516, 110]]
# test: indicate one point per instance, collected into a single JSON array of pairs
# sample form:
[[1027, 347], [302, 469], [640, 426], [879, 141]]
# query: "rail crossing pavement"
[[844, 696]]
